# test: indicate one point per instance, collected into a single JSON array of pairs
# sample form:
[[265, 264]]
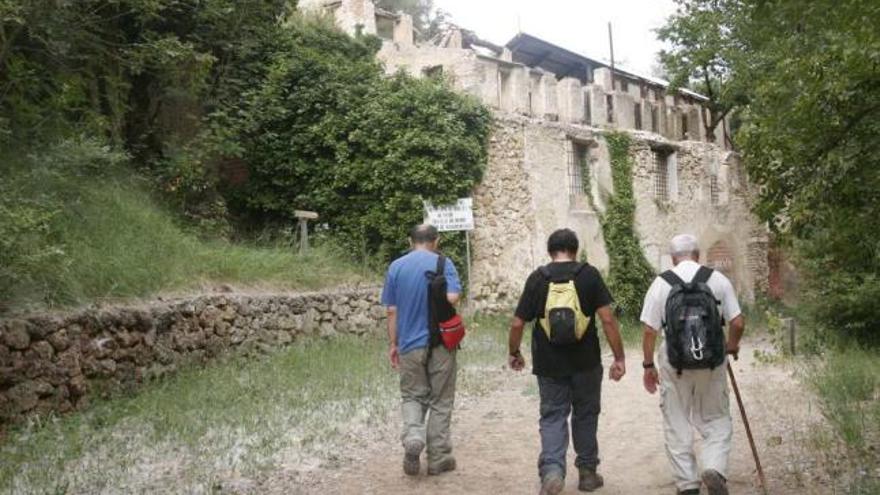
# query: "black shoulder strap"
[[671, 278], [441, 265], [703, 275], [577, 270]]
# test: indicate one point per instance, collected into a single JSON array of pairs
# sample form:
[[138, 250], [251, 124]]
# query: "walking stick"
[[742, 412]]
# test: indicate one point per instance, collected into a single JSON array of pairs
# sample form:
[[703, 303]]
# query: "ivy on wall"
[[630, 274]]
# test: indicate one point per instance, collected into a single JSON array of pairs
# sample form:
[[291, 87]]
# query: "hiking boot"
[[715, 483], [589, 480], [691, 491], [441, 467], [552, 483], [411, 451]]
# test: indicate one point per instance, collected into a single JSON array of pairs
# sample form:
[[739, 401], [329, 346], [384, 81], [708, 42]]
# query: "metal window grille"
[[637, 109], [661, 175], [578, 163], [609, 105], [714, 191]]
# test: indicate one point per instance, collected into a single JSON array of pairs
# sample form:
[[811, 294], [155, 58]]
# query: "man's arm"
[[515, 358], [651, 378], [737, 328], [393, 353], [612, 333]]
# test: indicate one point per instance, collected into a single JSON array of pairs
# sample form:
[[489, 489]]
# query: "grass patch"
[[237, 417], [848, 385], [80, 228], [848, 382]]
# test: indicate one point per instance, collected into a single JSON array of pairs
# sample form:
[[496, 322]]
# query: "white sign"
[[449, 218]]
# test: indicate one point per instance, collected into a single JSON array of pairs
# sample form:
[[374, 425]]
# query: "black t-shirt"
[[555, 360]]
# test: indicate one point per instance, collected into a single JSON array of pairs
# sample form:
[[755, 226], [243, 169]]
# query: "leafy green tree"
[[327, 131], [703, 55]]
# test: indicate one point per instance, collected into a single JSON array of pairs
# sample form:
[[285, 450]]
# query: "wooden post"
[[790, 323], [467, 250], [303, 217]]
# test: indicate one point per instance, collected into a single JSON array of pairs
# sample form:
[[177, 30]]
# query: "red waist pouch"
[[452, 332]]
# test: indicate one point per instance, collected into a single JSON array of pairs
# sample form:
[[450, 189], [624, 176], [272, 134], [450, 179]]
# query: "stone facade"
[[56, 363]]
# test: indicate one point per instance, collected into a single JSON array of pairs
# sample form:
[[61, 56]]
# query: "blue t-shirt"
[[406, 287]]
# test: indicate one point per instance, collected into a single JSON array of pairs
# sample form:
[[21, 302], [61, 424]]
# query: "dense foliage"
[[327, 131], [811, 74], [237, 112], [630, 274]]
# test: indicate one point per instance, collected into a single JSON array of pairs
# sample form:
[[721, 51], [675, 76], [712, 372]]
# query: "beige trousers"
[[427, 387], [696, 399]]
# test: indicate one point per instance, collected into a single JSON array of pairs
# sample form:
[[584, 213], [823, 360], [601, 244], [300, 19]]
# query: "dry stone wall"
[[56, 363]]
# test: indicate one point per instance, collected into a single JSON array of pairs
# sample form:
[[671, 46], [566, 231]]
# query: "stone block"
[[43, 350], [59, 340], [15, 335]]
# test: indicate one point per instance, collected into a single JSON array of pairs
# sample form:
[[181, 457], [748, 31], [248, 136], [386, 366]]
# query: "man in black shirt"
[[569, 375]]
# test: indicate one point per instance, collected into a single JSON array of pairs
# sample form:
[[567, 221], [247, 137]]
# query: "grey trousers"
[[578, 395], [427, 388]]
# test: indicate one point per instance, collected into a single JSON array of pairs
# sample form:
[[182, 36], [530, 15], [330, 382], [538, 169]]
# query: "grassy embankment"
[[82, 228], [235, 418]]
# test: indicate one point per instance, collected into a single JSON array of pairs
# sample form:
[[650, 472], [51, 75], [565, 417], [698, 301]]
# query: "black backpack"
[[694, 327], [439, 307]]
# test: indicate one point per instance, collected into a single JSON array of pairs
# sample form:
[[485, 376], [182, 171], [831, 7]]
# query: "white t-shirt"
[[654, 309]]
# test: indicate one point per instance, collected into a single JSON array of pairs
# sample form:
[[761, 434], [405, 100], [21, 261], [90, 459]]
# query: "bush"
[[327, 131]]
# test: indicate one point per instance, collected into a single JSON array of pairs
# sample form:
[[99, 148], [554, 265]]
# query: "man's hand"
[[733, 349], [617, 370], [394, 356], [651, 380], [516, 361]]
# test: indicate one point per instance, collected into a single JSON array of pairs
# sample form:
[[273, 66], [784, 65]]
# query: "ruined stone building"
[[549, 162]]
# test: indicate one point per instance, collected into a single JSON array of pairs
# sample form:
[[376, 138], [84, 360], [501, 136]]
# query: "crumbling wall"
[[524, 197], [690, 209], [57, 363], [527, 193]]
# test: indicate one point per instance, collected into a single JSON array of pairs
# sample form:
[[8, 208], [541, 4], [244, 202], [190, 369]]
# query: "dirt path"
[[496, 442]]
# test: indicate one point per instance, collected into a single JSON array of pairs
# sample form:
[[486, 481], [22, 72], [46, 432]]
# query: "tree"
[[704, 54], [326, 130], [422, 12]]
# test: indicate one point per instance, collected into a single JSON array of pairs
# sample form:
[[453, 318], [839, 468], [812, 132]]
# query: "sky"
[[578, 25]]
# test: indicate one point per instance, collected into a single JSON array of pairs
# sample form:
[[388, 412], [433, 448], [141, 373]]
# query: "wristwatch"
[[648, 366]]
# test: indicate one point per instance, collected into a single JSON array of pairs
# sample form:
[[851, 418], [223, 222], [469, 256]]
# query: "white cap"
[[683, 244]]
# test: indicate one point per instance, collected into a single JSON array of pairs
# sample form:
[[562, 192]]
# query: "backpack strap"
[[703, 275], [671, 278], [577, 270], [441, 266]]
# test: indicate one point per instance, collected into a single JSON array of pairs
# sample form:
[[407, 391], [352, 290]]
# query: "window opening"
[[609, 105], [638, 116], [578, 170]]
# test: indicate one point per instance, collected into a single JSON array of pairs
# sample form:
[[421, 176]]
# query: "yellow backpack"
[[563, 320]]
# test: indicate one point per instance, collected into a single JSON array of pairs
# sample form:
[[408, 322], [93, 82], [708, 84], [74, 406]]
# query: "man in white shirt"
[[692, 398]]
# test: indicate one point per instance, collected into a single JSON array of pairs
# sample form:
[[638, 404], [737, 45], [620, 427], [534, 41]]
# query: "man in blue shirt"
[[427, 376]]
